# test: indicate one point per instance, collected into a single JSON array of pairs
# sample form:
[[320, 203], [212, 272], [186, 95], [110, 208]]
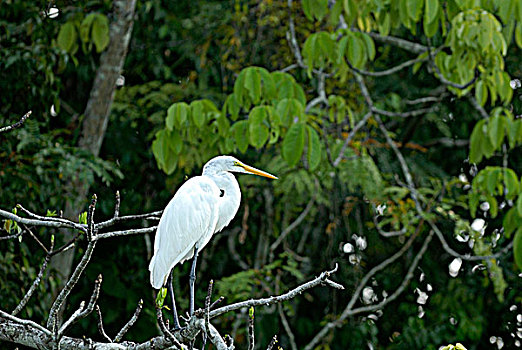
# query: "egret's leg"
[[193, 280], [174, 311]]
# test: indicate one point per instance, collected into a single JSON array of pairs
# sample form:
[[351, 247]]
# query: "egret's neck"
[[231, 197], [226, 182]]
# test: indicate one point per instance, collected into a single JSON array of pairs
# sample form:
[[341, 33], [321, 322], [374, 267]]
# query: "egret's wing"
[[189, 218]]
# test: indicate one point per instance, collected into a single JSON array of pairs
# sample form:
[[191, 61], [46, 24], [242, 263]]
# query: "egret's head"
[[231, 164]]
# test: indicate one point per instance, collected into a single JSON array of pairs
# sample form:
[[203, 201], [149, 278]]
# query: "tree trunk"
[[96, 118]]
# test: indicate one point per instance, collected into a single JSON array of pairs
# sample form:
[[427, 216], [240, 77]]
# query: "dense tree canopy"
[[394, 127]]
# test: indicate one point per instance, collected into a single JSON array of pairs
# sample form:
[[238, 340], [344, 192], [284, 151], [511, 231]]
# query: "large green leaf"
[[431, 10], [519, 206], [258, 126], [293, 144], [240, 132], [253, 84], [198, 113], [314, 149], [177, 115], [476, 140], [67, 36], [511, 183], [517, 248], [100, 32], [288, 110]]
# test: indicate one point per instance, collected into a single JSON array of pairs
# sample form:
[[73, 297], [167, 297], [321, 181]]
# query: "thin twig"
[[292, 226], [17, 124], [349, 138], [321, 279], [125, 232], [282, 315], [35, 284], [272, 343], [70, 284], [100, 325], [348, 311], [129, 324], [387, 71], [165, 331], [81, 312], [48, 222], [251, 335]]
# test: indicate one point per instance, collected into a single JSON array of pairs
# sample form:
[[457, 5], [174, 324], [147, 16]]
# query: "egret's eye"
[[236, 163]]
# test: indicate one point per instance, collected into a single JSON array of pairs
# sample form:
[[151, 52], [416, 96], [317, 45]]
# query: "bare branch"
[[70, 284], [348, 311], [349, 138], [100, 325], [125, 233], [231, 241], [387, 71], [322, 279], [467, 257], [81, 312], [281, 312], [129, 324], [25, 323], [35, 284], [292, 226], [48, 222], [165, 331], [17, 124], [272, 343], [478, 107], [398, 42], [251, 335], [148, 216]]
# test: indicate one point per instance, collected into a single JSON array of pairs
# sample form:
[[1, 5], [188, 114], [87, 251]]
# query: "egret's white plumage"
[[201, 207]]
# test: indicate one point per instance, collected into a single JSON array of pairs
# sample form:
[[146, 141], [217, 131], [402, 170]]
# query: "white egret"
[[201, 207]]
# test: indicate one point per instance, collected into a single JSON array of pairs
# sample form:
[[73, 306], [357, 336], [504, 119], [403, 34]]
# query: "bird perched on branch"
[[201, 207]]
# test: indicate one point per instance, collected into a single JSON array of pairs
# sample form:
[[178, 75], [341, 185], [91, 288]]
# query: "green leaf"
[[517, 248], [493, 179], [240, 132], [293, 144], [518, 33], [267, 82], [253, 84], [258, 126], [85, 27], [414, 8], [510, 222], [481, 92], [493, 206], [511, 183], [100, 32], [232, 106], [370, 46], [496, 130], [288, 109], [431, 10], [476, 140], [473, 203], [67, 36], [519, 205], [307, 9], [314, 149], [82, 218], [177, 115], [319, 8], [197, 112], [354, 52], [175, 142]]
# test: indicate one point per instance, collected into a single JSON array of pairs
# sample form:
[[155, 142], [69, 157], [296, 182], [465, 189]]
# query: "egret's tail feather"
[[158, 273]]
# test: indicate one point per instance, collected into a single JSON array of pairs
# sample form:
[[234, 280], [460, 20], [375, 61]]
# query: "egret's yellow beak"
[[255, 171]]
